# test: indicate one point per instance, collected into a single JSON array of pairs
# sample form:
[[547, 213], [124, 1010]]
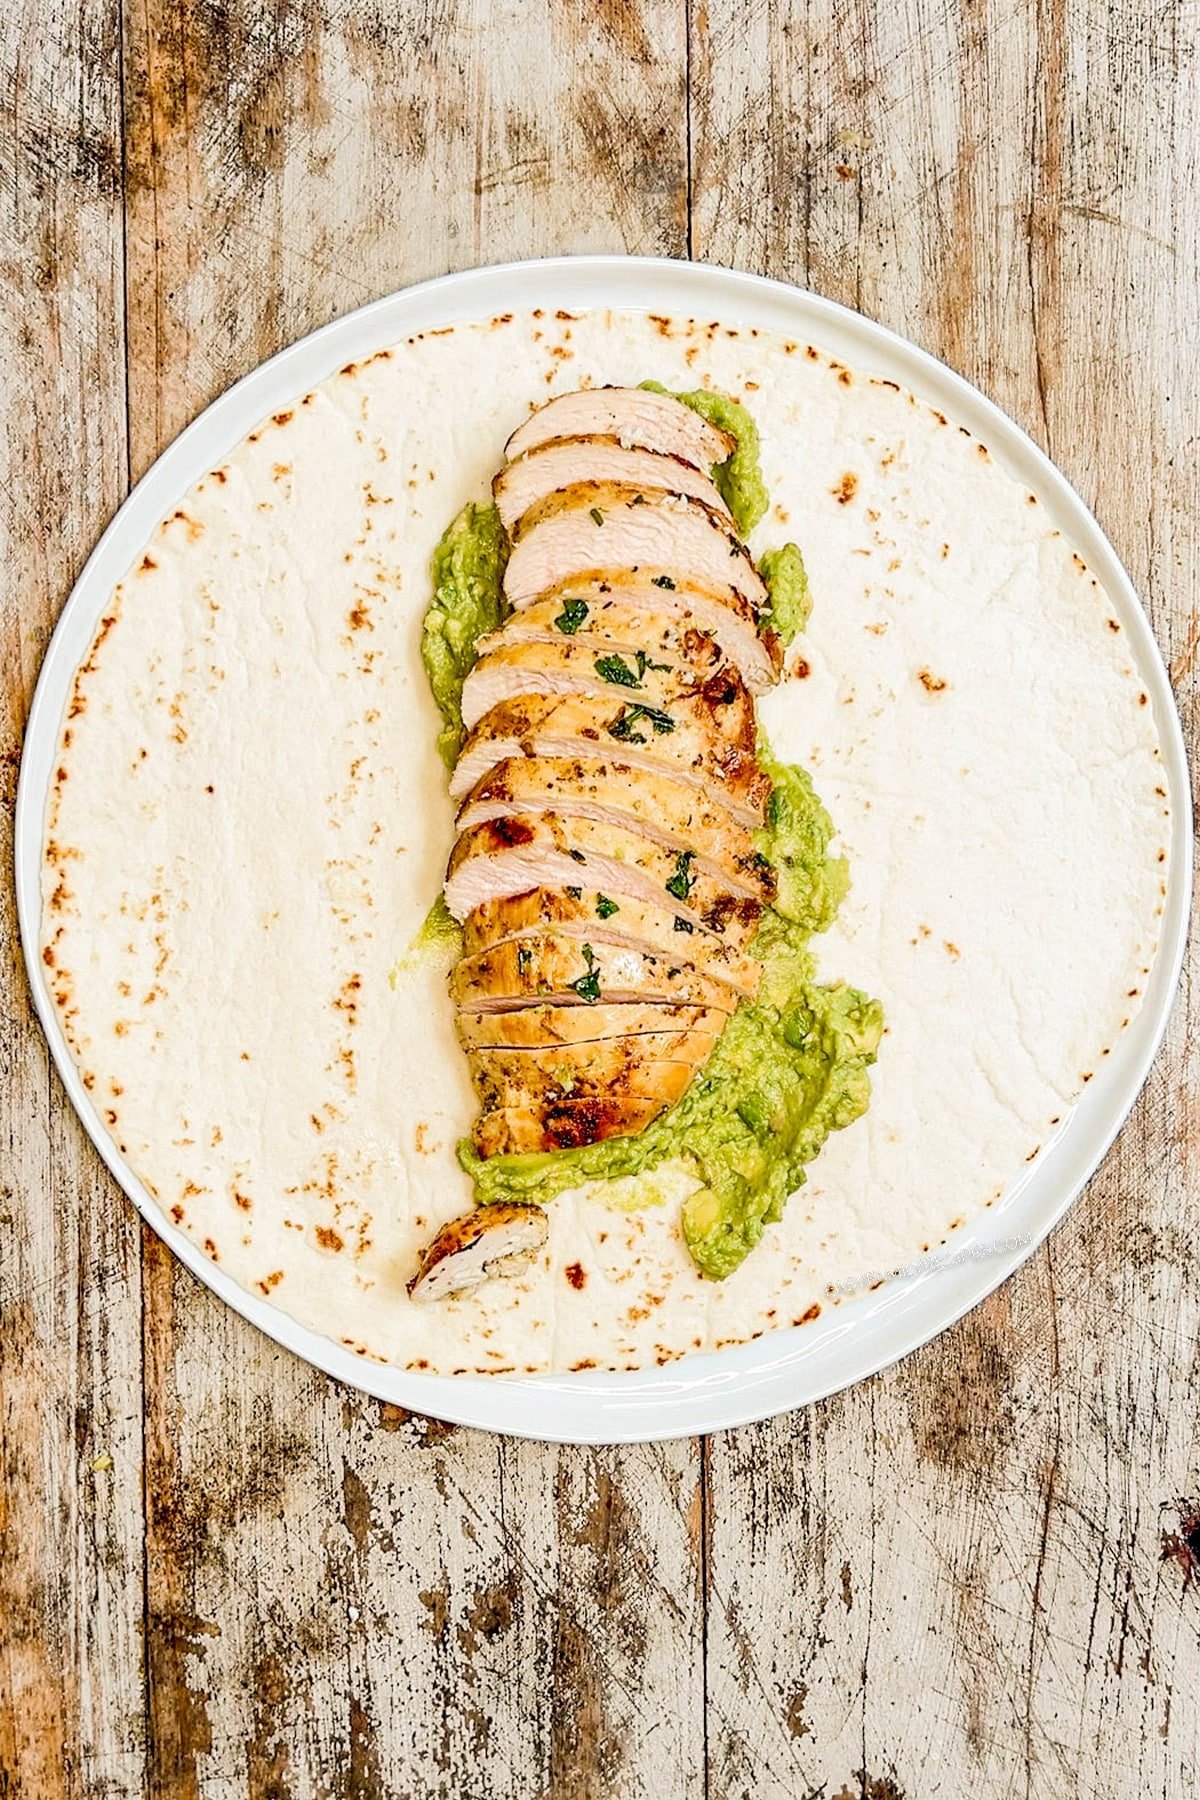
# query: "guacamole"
[[467, 570], [787, 583], [440, 939]]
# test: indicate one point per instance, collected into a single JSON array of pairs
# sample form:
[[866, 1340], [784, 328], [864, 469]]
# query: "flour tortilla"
[[250, 823]]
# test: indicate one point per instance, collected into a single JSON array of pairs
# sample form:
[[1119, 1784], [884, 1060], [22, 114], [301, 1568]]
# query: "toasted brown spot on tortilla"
[[271, 1281], [211, 1248], [1142, 699], [812, 1313], [845, 490], [576, 1275], [801, 669], [933, 684], [329, 1239], [146, 563], [952, 949], [845, 377], [1114, 625], [177, 1214]]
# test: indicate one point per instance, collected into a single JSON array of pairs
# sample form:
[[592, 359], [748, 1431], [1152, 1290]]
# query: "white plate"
[[787, 1368]]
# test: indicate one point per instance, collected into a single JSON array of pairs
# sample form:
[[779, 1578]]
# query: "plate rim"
[[764, 1377]]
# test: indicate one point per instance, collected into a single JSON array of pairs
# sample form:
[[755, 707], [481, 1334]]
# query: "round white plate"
[[787, 1368]]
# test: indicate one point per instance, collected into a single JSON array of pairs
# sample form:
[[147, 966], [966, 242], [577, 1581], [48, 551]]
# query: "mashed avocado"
[[440, 939], [787, 583], [467, 569]]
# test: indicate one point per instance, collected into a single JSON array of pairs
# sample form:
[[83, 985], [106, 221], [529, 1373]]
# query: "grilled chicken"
[[707, 739], [491, 1240], [542, 1027], [617, 861], [581, 911], [563, 1125], [634, 416], [669, 812], [555, 967], [669, 605], [511, 669], [605, 869], [630, 1065], [582, 529], [542, 471]]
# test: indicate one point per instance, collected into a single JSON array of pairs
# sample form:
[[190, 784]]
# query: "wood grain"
[[978, 1572], [975, 1597], [71, 1682]]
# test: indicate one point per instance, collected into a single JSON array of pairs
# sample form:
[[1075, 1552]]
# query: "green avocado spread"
[[467, 570], [791, 1065]]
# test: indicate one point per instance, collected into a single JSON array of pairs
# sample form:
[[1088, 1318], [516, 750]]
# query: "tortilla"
[[250, 822]]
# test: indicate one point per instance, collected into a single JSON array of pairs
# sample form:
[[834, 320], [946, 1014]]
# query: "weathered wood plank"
[[71, 1685], [953, 1579], [344, 1600]]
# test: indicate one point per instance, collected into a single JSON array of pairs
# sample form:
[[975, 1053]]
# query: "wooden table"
[[223, 1574]]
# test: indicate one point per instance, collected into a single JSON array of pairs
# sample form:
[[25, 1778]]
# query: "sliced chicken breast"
[[615, 861], [627, 632], [709, 743], [582, 913], [491, 1240], [585, 528], [635, 416], [635, 612], [531, 478], [566, 1125], [670, 812], [512, 669], [541, 1027], [657, 1066], [551, 966]]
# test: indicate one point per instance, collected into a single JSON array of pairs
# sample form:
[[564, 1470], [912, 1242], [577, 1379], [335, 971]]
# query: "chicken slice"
[[708, 739], [542, 1027], [615, 629], [580, 912], [670, 812], [492, 1240], [512, 669], [515, 1131], [659, 1066], [554, 967], [594, 524], [615, 861], [630, 608], [540, 472], [635, 416]]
